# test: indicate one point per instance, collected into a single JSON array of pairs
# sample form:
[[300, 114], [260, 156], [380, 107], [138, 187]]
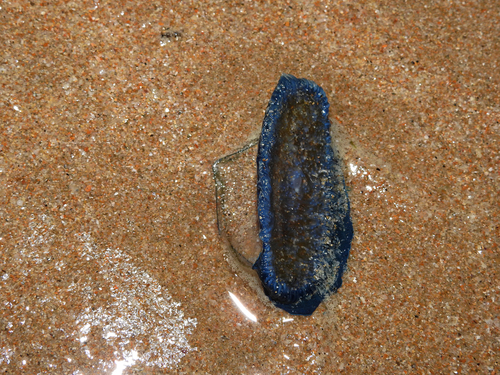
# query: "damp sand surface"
[[111, 117]]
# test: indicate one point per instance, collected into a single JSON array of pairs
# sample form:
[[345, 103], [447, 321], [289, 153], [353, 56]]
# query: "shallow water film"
[[111, 117]]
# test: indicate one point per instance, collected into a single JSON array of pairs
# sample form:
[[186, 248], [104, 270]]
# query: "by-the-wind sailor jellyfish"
[[303, 208]]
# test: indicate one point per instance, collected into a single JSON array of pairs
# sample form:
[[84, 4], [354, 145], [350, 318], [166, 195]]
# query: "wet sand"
[[111, 116]]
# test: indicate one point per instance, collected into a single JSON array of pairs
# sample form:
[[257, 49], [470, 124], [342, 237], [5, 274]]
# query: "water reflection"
[[139, 318], [242, 308], [93, 300], [128, 361]]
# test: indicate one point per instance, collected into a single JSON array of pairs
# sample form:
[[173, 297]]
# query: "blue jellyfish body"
[[303, 205]]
